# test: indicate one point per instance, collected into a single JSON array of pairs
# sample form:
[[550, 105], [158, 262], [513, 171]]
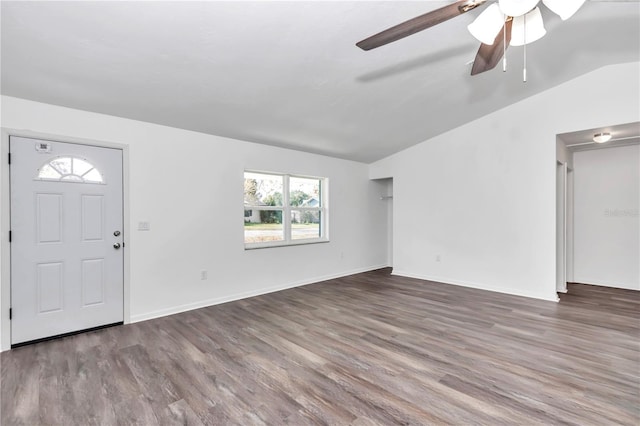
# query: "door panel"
[[92, 218], [50, 287], [49, 221], [92, 281], [66, 204]]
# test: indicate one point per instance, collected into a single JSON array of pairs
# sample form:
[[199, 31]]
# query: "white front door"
[[66, 238]]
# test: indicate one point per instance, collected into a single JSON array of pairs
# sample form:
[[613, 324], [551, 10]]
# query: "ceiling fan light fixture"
[[564, 8], [487, 25], [534, 28], [602, 137], [517, 7]]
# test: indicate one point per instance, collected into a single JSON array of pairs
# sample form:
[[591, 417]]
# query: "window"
[[284, 210], [70, 169]]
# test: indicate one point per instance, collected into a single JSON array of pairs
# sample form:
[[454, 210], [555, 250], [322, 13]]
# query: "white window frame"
[[81, 178], [286, 209]]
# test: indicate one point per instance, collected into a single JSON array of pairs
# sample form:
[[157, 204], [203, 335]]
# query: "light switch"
[[144, 226]]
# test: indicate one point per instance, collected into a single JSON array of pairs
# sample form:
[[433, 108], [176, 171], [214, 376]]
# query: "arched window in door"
[[70, 169]]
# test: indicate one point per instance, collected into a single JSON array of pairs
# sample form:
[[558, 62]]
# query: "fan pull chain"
[[524, 69], [504, 44]]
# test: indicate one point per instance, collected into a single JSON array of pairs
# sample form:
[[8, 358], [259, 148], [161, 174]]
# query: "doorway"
[[67, 242], [597, 207]]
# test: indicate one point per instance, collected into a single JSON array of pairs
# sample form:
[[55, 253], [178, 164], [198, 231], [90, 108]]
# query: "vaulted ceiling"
[[288, 73]]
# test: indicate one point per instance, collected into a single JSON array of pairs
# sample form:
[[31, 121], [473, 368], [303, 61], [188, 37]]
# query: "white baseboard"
[[244, 295], [625, 286], [515, 292]]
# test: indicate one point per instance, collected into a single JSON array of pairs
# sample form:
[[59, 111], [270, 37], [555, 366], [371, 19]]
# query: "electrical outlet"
[[204, 274]]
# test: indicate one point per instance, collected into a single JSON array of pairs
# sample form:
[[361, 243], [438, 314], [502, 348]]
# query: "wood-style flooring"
[[366, 349]]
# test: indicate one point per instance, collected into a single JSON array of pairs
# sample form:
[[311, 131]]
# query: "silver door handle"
[[116, 246], [116, 233]]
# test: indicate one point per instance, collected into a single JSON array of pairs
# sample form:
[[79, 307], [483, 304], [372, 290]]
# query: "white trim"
[[5, 214], [610, 140], [270, 244], [286, 209], [5, 247], [479, 286], [609, 284], [565, 176], [244, 295]]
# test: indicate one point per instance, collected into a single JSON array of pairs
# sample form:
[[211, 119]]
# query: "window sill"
[[256, 246]]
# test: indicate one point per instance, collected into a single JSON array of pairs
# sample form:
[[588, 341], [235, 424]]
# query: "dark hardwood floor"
[[366, 349]]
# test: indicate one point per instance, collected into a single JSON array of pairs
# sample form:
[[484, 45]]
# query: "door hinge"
[[9, 158], [9, 236], [10, 313]]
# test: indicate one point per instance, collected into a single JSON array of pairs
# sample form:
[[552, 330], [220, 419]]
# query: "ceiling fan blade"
[[419, 23], [489, 55]]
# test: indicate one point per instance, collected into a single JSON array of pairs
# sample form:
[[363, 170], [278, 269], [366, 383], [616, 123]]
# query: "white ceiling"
[[289, 73], [621, 135]]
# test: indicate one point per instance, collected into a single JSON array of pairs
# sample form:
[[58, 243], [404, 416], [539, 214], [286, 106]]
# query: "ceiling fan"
[[503, 23]]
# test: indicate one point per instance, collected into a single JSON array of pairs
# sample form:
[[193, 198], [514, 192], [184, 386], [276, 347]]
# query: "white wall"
[[189, 187], [607, 222], [486, 191]]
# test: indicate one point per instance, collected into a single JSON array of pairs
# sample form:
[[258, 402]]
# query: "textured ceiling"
[[288, 73]]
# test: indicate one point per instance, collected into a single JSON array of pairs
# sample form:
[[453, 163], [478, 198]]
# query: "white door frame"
[[569, 235], [5, 216], [562, 216]]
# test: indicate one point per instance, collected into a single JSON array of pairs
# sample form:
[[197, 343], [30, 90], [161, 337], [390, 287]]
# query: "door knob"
[[116, 246], [116, 233]]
